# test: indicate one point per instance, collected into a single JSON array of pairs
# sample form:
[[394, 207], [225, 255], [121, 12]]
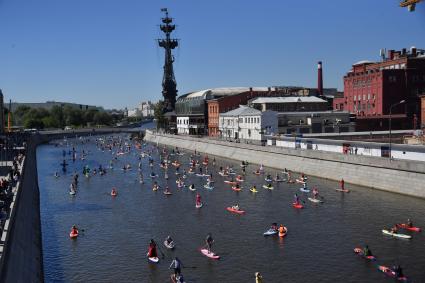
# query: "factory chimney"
[[319, 79]]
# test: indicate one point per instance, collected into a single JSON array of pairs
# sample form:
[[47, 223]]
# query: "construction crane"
[[410, 4]]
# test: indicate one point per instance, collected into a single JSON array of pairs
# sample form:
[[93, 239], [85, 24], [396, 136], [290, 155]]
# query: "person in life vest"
[[198, 199], [235, 207], [282, 230], [152, 249]]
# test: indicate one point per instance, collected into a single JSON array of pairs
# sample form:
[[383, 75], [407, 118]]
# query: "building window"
[[355, 98], [364, 96]]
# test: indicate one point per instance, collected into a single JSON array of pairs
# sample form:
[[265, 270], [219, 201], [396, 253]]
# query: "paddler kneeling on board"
[[152, 249], [209, 241], [367, 251], [394, 229]]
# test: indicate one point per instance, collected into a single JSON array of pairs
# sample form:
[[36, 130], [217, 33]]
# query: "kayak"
[[230, 182], [168, 193], [270, 232], [343, 191], [388, 271], [235, 211], [73, 235], [253, 190], [279, 180], [155, 188], [407, 227], [315, 200], [153, 259], [268, 180], [403, 236], [284, 233], [209, 254], [359, 251], [299, 205], [198, 205], [267, 187], [301, 181], [169, 245], [236, 189], [305, 190]]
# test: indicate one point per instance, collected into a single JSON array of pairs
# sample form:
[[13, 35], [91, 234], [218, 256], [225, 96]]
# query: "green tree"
[[102, 118], [159, 115], [18, 115], [57, 114]]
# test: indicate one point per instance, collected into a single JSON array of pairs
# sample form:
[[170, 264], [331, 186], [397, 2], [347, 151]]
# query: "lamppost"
[[391, 108]]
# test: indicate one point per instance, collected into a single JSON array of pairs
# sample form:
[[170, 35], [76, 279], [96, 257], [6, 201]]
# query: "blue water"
[[112, 248]]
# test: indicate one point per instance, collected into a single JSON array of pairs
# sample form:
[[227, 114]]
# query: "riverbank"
[[398, 176]]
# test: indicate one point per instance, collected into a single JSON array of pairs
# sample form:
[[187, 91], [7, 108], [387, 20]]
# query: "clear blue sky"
[[104, 52]]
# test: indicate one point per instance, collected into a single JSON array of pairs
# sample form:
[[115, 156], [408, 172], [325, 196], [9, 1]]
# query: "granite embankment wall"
[[403, 177], [22, 257]]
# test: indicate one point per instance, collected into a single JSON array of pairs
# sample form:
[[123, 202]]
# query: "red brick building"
[[370, 88], [423, 111]]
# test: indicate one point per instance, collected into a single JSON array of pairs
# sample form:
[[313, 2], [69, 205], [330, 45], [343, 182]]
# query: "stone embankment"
[[403, 177]]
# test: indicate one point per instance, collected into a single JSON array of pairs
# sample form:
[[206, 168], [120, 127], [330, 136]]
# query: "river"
[[318, 247]]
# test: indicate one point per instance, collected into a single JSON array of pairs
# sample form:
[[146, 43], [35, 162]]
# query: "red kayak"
[[359, 251], [297, 205], [235, 211], [388, 271], [407, 227]]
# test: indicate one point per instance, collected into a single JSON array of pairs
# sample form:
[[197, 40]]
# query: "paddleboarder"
[[209, 241]]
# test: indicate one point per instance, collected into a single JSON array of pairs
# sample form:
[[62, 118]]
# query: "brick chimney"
[[319, 79]]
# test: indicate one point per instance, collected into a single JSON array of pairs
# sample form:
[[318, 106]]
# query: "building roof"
[[289, 99], [241, 111], [222, 91], [363, 62]]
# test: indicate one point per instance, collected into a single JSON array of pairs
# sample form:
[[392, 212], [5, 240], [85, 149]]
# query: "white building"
[[133, 112], [183, 125], [248, 124], [146, 108]]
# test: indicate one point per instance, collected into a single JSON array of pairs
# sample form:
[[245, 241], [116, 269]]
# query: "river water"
[[112, 248]]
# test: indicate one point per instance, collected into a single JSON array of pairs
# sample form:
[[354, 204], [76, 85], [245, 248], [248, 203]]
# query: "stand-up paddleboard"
[[230, 182], [199, 205], [270, 232], [388, 271], [268, 180], [359, 251], [192, 189], [153, 259], [267, 187], [208, 187], [169, 246], [298, 206], [305, 190], [168, 193], [315, 200], [72, 193], [402, 236], [407, 227], [235, 211], [209, 254], [342, 191], [253, 190], [73, 235], [237, 189]]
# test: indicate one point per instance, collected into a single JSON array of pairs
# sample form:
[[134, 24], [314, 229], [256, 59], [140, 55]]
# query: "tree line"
[[60, 117]]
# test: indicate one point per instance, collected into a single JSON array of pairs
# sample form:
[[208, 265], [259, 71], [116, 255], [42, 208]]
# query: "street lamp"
[[391, 108]]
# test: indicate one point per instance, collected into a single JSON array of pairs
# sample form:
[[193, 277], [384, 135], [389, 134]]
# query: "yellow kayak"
[[253, 190]]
